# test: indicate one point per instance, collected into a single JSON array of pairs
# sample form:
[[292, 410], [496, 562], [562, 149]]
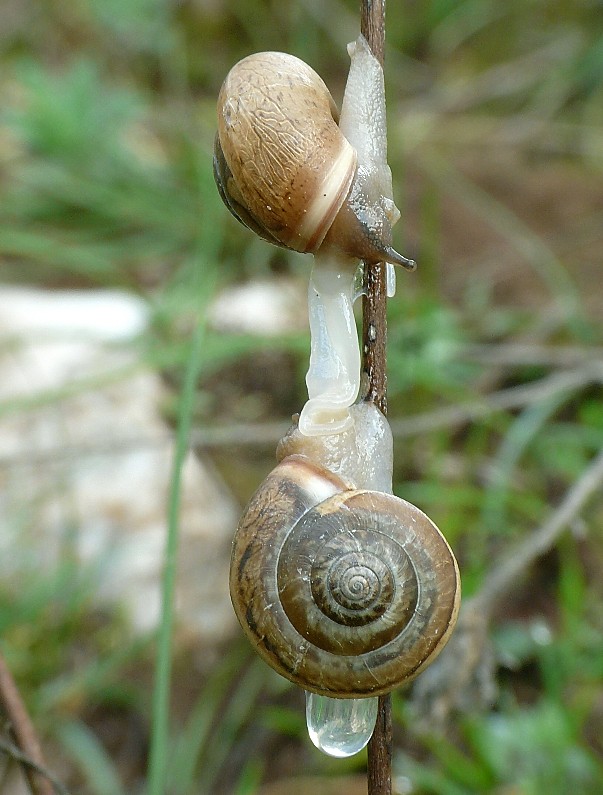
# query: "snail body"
[[300, 176], [286, 168], [348, 592]]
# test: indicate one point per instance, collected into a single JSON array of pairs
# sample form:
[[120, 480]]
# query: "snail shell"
[[346, 592], [286, 170]]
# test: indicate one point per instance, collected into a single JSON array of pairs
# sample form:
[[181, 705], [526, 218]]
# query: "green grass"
[[106, 133], [160, 744]]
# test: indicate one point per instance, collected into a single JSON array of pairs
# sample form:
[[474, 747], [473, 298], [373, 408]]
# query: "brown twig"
[[379, 760], [463, 675], [10, 749], [374, 334], [374, 302], [24, 732], [374, 341], [520, 557], [588, 370]]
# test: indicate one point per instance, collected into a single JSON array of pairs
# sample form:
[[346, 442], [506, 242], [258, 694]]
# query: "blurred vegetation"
[[496, 143]]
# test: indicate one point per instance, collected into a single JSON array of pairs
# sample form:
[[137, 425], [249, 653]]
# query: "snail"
[[301, 176], [285, 167], [343, 588]]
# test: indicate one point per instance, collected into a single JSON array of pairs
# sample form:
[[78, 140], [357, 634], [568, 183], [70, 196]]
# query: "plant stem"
[[158, 756], [374, 342], [374, 304], [24, 732], [374, 334], [521, 556]]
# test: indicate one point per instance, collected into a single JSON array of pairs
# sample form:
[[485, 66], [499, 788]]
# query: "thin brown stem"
[[519, 558], [462, 678], [374, 342], [24, 732], [374, 334], [379, 766], [268, 433], [10, 750]]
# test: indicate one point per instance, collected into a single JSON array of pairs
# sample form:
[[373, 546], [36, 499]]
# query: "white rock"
[[270, 307], [85, 460]]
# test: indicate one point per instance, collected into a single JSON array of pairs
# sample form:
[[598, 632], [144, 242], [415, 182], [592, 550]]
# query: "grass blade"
[[161, 697]]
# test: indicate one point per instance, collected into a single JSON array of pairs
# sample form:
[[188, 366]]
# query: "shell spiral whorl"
[[351, 594]]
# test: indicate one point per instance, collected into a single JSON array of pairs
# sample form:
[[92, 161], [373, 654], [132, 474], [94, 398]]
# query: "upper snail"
[[285, 168]]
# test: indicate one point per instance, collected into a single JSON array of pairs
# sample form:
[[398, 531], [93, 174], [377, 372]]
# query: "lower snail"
[[346, 591]]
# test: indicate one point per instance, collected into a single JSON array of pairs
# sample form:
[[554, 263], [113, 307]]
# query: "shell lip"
[[322, 210]]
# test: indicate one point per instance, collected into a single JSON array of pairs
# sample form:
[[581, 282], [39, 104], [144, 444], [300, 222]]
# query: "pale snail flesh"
[[288, 171], [348, 592]]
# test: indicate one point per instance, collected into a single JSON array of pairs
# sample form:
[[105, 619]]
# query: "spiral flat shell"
[[351, 599]]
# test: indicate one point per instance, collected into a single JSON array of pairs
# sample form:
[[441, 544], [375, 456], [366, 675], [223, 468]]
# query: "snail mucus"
[[343, 588]]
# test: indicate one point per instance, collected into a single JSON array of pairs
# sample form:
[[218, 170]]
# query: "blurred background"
[[115, 249]]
